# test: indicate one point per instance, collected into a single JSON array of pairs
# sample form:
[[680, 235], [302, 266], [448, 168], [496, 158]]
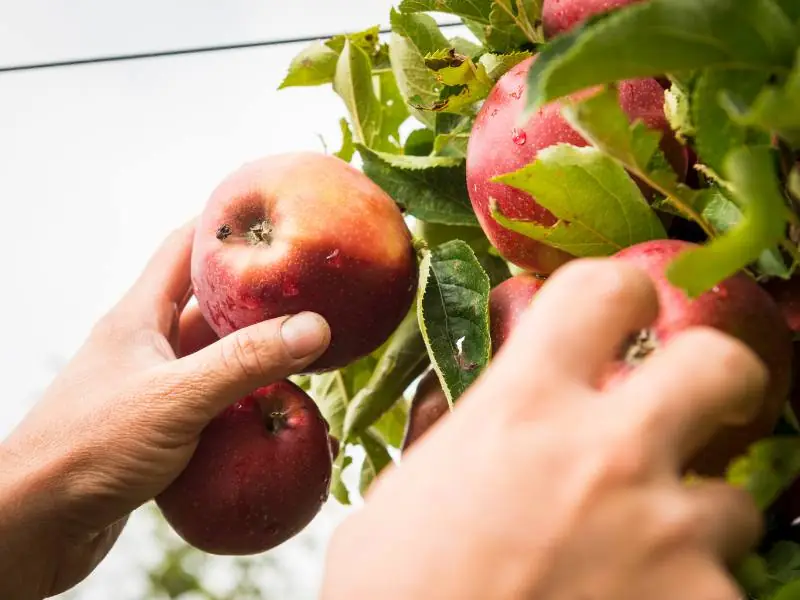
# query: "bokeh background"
[[98, 162]]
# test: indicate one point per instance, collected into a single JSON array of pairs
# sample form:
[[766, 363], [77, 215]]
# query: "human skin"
[[64, 497], [531, 489]]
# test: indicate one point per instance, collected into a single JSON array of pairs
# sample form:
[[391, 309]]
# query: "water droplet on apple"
[[519, 137], [334, 258], [289, 288]]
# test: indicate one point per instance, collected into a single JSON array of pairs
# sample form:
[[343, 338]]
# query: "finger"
[[729, 522], [247, 359], [194, 332], [164, 286], [578, 322], [681, 395]]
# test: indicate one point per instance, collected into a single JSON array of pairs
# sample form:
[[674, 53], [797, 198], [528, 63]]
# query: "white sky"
[[99, 162]]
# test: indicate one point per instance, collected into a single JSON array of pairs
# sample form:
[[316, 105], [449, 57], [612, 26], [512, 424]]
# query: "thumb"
[[252, 357]]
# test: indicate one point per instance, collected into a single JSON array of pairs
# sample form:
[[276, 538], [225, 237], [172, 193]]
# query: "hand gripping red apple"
[[305, 232]]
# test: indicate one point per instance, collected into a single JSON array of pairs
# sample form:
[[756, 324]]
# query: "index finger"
[[577, 323], [164, 287]]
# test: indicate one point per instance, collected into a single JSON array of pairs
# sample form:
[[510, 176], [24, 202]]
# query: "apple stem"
[[275, 422], [643, 344], [260, 233]]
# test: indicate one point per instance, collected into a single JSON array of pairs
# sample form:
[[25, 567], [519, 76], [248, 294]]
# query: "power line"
[[184, 51]]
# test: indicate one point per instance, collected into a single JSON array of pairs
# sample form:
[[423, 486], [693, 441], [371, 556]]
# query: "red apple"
[[739, 307], [786, 294], [427, 407], [507, 302], [259, 475], [498, 144], [305, 232], [559, 16]]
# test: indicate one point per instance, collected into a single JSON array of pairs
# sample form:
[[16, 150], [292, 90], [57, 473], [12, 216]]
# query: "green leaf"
[[338, 489], [601, 120], [419, 143], [600, 209], [391, 426], [453, 311], [791, 8], [769, 468], [791, 591], [314, 65], [403, 360], [353, 83], [716, 133], [775, 110], [452, 134], [754, 181], [477, 10], [430, 188], [497, 65], [463, 83], [348, 148], [395, 110], [376, 460], [503, 33], [330, 393], [663, 36], [367, 40], [466, 47], [413, 37]]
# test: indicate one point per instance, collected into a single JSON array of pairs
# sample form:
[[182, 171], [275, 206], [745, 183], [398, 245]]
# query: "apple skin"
[[260, 473], [507, 302], [560, 16], [737, 306], [336, 244], [500, 144], [427, 407], [786, 294]]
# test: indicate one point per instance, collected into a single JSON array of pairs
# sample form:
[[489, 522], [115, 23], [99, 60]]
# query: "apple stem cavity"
[[642, 345], [275, 422], [260, 233]]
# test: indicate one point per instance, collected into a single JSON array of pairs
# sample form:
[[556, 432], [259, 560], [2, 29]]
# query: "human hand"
[[120, 423], [540, 486]]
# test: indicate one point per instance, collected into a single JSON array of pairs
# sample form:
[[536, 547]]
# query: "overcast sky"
[[99, 162]]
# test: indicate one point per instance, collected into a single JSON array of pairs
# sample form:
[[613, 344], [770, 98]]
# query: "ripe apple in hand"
[[500, 144], [305, 232], [260, 473], [559, 16], [739, 307]]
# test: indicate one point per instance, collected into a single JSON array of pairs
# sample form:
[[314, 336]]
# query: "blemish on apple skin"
[[289, 288], [334, 259]]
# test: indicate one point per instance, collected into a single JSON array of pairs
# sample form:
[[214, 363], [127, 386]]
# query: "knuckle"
[[675, 523], [614, 282], [624, 459], [241, 353]]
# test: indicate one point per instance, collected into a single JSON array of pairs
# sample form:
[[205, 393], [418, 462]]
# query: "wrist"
[[28, 528]]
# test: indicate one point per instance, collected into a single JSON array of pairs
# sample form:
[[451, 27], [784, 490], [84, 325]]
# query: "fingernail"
[[304, 334]]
